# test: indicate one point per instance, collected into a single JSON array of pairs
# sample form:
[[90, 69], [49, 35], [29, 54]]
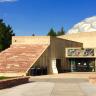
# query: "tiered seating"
[[19, 58]]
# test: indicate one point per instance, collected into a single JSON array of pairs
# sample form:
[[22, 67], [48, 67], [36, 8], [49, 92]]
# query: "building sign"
[[80, 52]]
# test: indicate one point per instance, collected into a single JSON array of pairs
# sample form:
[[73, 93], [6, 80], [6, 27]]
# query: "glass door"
[[82, 64]]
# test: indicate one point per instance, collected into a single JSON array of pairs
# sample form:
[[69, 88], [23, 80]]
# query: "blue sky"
[[38, 16]]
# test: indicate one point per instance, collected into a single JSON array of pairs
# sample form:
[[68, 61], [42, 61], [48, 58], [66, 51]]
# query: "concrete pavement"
[[30, 89], [52, 87], [67, 84]]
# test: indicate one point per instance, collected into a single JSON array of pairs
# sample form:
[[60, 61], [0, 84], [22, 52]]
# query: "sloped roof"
[[19, 58]]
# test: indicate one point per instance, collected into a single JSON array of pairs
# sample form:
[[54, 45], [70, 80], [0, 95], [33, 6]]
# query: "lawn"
[[2, 78]]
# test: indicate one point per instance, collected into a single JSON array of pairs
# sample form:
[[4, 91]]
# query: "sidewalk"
[[52, 87]]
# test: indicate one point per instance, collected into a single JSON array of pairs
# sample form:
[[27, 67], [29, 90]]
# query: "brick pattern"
[[18, 58]]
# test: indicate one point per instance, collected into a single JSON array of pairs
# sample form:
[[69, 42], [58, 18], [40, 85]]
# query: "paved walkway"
[[69, 75], [52, 87]]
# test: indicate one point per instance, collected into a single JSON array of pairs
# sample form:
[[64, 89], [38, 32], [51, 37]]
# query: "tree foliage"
[[6, 34], [61, 32], [53, 33]]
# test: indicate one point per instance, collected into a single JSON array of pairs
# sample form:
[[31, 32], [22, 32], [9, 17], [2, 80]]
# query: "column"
[[54, 68]]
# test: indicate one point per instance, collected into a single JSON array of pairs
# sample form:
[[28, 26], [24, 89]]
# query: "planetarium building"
[[41, 55]]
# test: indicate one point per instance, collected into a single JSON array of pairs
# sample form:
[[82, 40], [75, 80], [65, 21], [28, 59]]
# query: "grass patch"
[[2, 78]]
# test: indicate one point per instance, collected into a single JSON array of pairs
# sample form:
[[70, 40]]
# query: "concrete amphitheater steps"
[[19, 58]]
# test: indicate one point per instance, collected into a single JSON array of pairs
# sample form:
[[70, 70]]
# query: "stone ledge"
[[13, 82]]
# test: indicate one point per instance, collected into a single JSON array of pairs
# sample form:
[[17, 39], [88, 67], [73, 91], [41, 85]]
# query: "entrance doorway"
[[58, 65], [36, 71], [82, 64]]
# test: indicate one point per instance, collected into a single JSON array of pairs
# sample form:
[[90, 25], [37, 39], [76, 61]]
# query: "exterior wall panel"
[[30, 40], [58, 47], [87, 38]]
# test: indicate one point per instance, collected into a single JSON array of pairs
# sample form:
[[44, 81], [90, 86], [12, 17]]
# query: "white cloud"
[[7, 1]]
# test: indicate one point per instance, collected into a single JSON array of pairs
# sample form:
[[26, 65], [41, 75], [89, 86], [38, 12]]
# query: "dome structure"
[[86, 25]]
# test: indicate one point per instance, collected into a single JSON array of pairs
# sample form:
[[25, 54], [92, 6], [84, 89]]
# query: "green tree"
[[51, 32], [61, 32], [6, 34]]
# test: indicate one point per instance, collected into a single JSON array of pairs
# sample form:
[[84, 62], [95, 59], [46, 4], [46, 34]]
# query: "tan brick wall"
[[30, 40], [45, 61], [87, 38], [55, 50], [58, 49]]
